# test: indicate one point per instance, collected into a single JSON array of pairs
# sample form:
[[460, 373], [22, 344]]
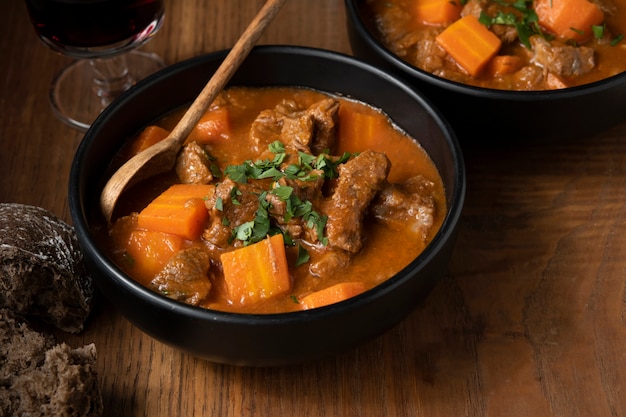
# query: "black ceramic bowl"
[[488, 115], [247, 339]]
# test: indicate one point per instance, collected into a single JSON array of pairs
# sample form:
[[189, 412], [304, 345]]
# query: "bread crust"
[[42, 271]]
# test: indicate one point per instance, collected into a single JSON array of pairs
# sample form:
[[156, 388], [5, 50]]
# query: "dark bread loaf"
[[41, 268], [41, 378]]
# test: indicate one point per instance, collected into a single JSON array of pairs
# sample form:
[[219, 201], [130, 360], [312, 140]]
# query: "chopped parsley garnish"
[[276, 147], [598, 31], [219, 204], [307, 169], [257, 229], [525, 21], [283, 192], [303, 256], [617, 39], [318, 222], [234, 193], [271, 169]]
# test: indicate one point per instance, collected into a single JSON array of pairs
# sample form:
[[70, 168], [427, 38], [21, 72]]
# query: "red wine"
[[82, 24]]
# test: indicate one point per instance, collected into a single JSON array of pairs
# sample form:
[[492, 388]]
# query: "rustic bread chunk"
[[41, 268], [39, 378]]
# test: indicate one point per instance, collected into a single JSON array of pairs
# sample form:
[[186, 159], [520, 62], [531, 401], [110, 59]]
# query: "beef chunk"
[[329, 262], [359, 180], [419, 47], [238, 204], [297, 131], [607, 6], [506, 33], [292, 226], [193, 165], [324, 114], [286, 124], [408, 205], [430, 56], [562, 60], [266, 129], [310, 130], [185, 276], [310, 189]]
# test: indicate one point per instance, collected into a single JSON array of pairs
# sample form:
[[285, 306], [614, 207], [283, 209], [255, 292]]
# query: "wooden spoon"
[[161, 157]]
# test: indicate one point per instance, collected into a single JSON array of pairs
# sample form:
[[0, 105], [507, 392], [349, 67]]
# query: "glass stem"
[[111, 77]]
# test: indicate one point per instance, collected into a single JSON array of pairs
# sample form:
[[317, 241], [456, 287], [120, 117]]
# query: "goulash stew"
[[282, 199], [506, 44]]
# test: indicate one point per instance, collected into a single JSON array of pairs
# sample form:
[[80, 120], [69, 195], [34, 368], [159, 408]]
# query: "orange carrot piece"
[[437, 12], [333, 294], [470, 43], [358, 131], [256, 272], [148, 137], [504, 64], [569, 19], [214, 124], [150, 251], [179, 210]]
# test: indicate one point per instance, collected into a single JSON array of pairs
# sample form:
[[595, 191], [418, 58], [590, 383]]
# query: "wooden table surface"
[[530, 320]]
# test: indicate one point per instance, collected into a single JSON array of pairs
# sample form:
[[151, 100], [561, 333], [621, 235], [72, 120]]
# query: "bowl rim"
[[353, 15], [122, 280]]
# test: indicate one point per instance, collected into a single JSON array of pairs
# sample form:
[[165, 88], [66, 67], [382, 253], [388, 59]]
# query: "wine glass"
[[102, 35]]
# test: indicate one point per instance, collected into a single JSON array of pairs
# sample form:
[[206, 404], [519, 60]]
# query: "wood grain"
[[529, 321]]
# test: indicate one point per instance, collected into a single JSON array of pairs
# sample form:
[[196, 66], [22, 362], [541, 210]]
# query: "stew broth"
[[387, 241]]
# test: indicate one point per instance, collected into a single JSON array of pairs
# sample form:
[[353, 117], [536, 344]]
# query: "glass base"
[[84, 88]]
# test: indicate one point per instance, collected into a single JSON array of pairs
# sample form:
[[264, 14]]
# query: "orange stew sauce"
[[387, 243], [564, 43]]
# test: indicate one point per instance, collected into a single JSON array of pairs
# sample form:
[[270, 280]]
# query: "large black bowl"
[[482, 115], [280, 338]]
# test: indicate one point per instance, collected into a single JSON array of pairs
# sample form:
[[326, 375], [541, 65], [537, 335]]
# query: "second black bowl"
[[482, 115]]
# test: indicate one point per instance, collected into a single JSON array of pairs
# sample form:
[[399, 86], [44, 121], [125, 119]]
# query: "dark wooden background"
[[529, 321]]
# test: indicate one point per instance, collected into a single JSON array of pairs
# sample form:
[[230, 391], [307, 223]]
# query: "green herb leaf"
[[303, 256], [301, 208], [234, 193], [257, 229], [525, 20], [276, 147], [237, 173], [617, 39], [215, 171], [598, 31], [243, 232], [272, 172], [318, 222], [306, 159], [283, 192]]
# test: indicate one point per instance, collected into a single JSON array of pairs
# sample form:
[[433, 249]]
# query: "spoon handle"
[[227, 68]]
